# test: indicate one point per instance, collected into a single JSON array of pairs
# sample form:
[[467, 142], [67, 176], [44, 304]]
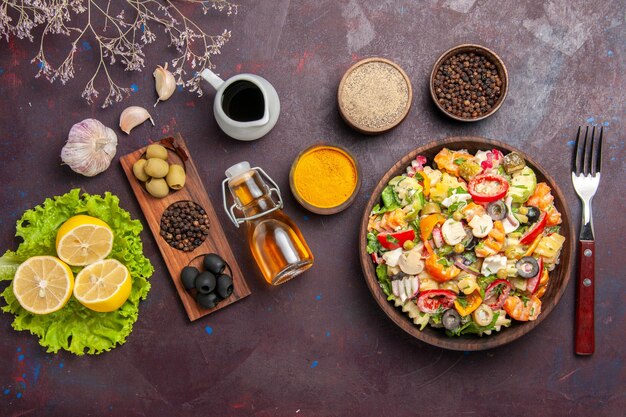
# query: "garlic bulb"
[[164, 82], [132, 117], [90, 147]]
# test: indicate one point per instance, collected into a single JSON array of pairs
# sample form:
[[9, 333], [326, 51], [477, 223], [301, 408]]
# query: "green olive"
[[156, 151], [138, 170], [457, 215], [459, 248], [156, 168], [176, 177], [157, 187]]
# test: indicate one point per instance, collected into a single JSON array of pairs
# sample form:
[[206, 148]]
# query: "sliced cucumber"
[[522, 185]]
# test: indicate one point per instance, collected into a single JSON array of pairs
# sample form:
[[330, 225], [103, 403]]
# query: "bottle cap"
[[238, 169]]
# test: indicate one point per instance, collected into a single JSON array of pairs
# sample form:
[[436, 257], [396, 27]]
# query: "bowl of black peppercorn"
[[469, 82]]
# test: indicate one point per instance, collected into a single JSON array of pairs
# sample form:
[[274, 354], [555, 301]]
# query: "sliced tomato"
[[535, 230], [497, 292], [486, 188], [532, 284], [396, 239], [430, 301]]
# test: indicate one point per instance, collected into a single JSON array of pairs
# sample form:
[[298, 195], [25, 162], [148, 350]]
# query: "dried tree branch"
[[122, 38]]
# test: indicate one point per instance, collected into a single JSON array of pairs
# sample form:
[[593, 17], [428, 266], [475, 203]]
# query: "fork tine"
[[577, 154], [598, 158], [587, 152]]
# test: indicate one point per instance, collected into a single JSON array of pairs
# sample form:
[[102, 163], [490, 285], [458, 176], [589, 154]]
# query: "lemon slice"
[[103, 286], [43, 284], [83, 240]]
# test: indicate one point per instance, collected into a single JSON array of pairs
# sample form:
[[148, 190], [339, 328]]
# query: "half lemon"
[[103, 286], [83, 240], [43, 284]]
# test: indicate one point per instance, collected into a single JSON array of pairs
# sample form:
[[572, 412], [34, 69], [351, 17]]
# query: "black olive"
[[527, 267], [188, 277], [533, 214], [205, 282], [451, 319], [496, 210], [214, 263], [224, 286], [209, 300]]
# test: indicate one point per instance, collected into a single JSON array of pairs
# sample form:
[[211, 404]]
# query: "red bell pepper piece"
[[477, 188], [535, 230], [396, 239], [430, 301], [497, 292]]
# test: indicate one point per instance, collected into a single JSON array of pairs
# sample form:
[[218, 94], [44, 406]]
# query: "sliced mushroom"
[[411, 262]]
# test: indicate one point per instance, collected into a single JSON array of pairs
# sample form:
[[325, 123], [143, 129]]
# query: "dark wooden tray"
[[176, 259], [559, 277]]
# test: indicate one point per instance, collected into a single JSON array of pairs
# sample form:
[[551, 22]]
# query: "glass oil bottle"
[[276, 243]]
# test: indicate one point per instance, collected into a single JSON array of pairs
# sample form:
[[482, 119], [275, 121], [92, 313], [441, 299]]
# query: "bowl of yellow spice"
[[325, 179]]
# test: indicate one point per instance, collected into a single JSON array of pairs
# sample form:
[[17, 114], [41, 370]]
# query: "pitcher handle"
[[211, 78]]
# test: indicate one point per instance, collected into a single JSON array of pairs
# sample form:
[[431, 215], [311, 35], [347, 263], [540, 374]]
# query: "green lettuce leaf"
[[75, 328]]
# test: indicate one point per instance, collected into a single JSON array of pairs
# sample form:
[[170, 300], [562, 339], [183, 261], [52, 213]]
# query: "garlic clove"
[[132, 117], [90, 147], [165, 83]]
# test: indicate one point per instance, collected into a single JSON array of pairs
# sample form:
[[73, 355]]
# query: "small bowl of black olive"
[[469, 82], [209, 279]]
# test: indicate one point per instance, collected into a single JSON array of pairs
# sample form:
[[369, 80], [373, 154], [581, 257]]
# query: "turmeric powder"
[[325, 176]]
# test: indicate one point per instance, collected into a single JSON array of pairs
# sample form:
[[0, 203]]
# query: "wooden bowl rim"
[[369, 131], [437, 337], [328, 210], [473, 48]]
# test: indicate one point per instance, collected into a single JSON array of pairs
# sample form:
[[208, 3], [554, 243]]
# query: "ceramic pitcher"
[[246, 106]]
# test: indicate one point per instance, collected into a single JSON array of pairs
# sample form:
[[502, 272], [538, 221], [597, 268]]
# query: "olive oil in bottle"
[[276, 243]]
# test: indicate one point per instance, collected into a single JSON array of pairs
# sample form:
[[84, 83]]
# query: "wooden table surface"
[[319, 345]]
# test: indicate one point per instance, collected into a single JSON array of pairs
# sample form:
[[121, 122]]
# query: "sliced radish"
[[437, 237]]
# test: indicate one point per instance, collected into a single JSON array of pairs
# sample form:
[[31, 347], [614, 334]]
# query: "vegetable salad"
[[467, 244]]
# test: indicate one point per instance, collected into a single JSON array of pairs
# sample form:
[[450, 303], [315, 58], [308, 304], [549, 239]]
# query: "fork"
[[586, 177]]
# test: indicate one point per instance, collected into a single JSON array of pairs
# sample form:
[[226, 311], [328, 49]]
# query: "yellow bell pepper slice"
[[473, 301]]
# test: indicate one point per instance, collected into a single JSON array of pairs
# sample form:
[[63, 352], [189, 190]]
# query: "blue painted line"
[[6, 391], [610, 53], [314, 364], [134, 88], [208, 330], [591, 120], [61, 365], [606, 123], [327, 334], [318, 297], [179, 88], [571, 143], [20, 358], [19, 395], [86, 46]]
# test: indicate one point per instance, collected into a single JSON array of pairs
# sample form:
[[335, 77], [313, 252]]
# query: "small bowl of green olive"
[[161, 170]]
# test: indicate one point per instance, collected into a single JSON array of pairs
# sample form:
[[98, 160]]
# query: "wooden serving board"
[[215, 242]]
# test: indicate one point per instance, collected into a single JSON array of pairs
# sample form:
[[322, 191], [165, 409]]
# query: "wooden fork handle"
[[585, 334]]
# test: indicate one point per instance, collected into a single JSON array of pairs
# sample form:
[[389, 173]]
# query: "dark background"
[[319, 345]]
